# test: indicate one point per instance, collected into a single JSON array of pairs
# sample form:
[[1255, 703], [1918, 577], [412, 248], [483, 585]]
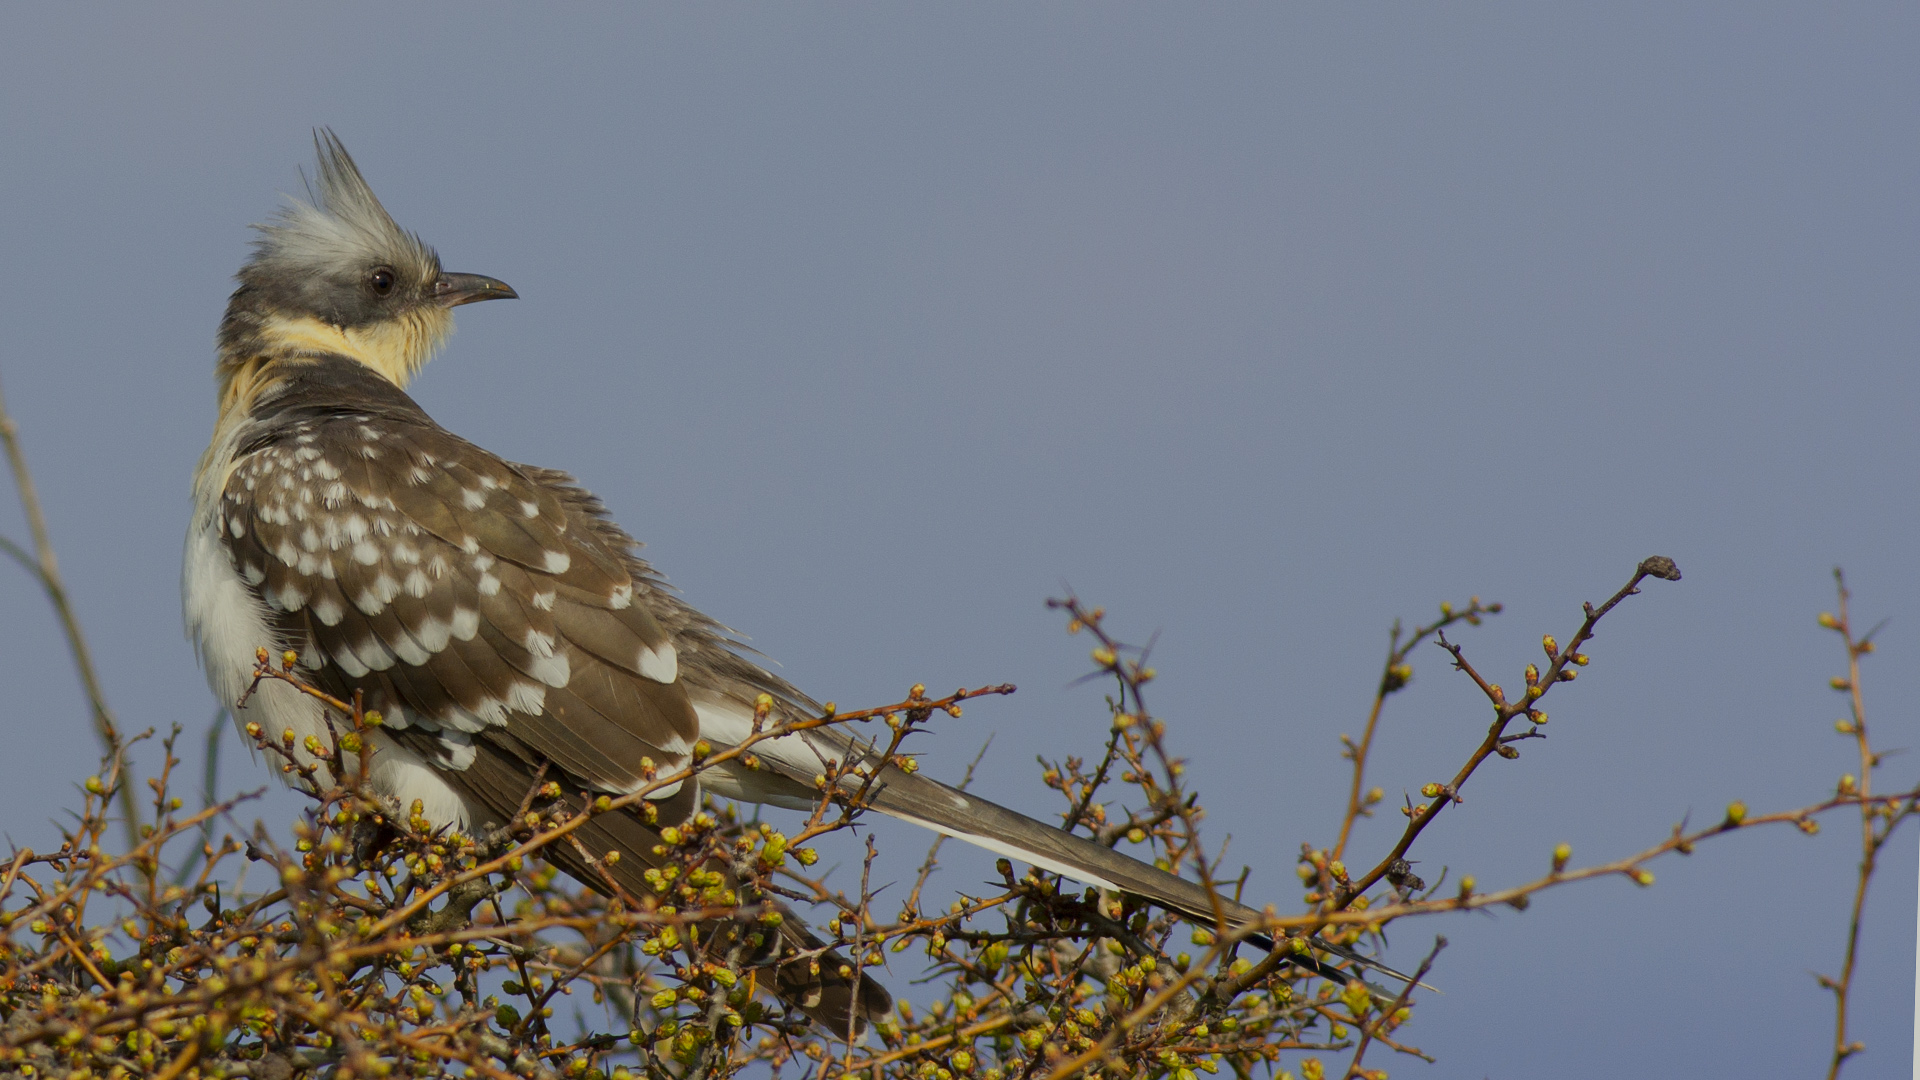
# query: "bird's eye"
[[382, 281]]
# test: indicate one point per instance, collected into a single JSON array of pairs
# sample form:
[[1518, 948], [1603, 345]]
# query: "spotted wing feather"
[[458, 593]]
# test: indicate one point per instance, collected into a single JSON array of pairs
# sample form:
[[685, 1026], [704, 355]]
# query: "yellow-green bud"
[[1356, 998]]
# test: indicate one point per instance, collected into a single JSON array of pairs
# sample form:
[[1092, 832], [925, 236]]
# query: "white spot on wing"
[[327, 610], [385, 587], [661, 664], [433, 634], [410, 651], [456, 751], [558, 561], [552, 670], [350, 663], [374, 653], [527, 698]]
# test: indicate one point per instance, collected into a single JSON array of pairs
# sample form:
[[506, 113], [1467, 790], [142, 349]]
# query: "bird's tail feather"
[[933, 805]]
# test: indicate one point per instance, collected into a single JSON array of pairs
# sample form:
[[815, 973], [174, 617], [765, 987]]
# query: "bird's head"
[[336, 275]]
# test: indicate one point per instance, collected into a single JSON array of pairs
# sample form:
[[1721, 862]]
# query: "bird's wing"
[[457, 594]]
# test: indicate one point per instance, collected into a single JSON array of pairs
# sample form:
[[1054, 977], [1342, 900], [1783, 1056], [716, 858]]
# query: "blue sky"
[[1259, 325]]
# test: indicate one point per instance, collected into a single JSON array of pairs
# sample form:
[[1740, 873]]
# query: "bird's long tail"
[[933, 805]]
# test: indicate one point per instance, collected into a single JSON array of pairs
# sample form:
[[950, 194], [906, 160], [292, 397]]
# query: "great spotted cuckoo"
[[492, 612]]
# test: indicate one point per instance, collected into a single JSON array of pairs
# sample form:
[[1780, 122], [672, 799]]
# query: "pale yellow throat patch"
[[396, 349]]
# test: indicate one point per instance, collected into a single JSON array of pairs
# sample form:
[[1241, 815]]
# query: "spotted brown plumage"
[[486, 610], [493, 612], [455, 591]]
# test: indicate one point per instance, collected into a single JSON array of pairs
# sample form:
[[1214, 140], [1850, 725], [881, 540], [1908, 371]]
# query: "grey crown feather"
[[337, 233]]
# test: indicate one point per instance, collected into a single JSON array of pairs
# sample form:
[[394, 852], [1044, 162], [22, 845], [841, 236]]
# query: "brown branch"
[[1377, 1029], [45, 568], [1504, 714], [1394, 675], [1873, 833]]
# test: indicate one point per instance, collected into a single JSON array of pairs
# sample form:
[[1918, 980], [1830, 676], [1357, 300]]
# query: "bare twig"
[[45, 568], [1878, 818], [1394, 676], [1505, 712]]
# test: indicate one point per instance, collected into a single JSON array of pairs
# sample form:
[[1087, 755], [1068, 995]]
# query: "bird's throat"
[[397, 349]]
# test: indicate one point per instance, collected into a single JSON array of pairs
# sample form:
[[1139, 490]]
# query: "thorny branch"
[[1878, 817], [387, 945], [1504, 713], [1394, 676]]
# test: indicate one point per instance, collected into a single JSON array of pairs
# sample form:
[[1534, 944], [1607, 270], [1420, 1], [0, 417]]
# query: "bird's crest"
[[340, 229]]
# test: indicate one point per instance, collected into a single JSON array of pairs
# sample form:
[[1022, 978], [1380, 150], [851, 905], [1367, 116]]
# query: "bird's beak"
[[452, 290]]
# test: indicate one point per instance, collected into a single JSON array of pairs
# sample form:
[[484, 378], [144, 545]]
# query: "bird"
[[503, 625]]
